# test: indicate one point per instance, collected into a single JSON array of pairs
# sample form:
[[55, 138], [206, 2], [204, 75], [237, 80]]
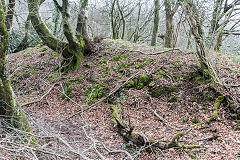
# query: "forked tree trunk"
[[72, 50], [9, 107]]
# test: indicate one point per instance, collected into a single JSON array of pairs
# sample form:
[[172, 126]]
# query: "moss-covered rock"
[[139, 82], [173, 98], [159, 90], [143, 78]]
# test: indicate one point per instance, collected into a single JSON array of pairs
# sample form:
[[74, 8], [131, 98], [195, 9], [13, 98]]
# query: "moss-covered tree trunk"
[[9, 107], [156, 22], [72, 50], [25, 41], [81, 29]]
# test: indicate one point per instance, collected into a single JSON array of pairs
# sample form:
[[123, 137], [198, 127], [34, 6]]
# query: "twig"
[[118, 151], [159, 117], [25, 104]]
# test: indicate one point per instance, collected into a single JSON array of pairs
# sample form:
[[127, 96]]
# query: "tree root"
[[128, 133]]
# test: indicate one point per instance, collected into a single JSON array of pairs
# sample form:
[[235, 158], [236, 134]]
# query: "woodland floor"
[[192, 100]]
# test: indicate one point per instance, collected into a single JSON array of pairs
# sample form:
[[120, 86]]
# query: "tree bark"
[[9, 107], [156, 22], [169, 13]]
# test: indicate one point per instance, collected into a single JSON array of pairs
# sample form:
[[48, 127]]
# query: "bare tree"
[[223, 11]]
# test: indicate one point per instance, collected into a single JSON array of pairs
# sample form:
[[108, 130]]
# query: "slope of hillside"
[[158, 93]]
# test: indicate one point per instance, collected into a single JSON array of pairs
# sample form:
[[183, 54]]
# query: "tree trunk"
[[72, 50], [156, 22], [25, 43], [9, 107], [113, 22], [219, 42], [169, 25], [122, 18], [81, 30], [56, 17]]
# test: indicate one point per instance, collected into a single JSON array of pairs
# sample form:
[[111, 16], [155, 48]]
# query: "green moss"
[[172, 89], [211, 86], [159, 77], [193, 98], [160, 71], [122, 64], [43, 49], [130, 84], [158, 91], [143, 78], [52, 77], [177, 77], [109, 100], [151, 84], [195, 120], [173, 98], [114, 115], [96, 91], [184, 119], [141, 81], [140, 86], [216, 107], [138, 66], [119, 57], [78, 80], [28, 53]]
